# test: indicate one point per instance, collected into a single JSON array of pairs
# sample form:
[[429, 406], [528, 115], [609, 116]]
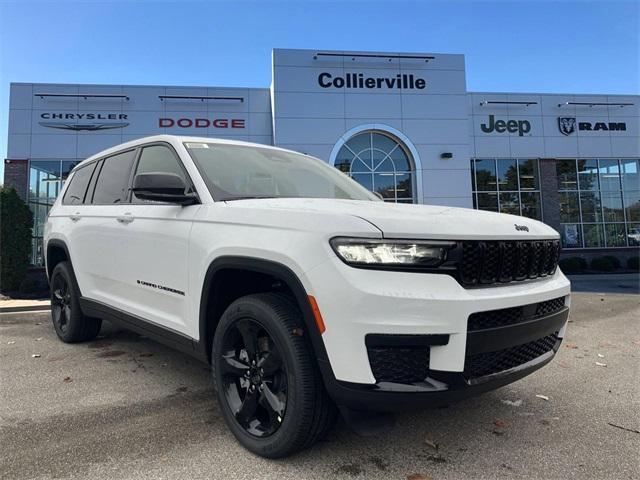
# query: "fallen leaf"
[[513, 403], [543, 397], [498, 432], [146, 354], [636, 342], [67, 380], [600, 364], [35, 355], [571, 345], [500, 423], [561, 364], [431, 443], [418, 476]]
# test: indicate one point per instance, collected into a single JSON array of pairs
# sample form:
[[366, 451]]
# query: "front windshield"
[[234, 172]]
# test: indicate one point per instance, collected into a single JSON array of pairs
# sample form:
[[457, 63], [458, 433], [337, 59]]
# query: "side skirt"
[[168, 337]]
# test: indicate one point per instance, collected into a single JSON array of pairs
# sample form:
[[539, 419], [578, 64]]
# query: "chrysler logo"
[[83, 126], [567, 125]]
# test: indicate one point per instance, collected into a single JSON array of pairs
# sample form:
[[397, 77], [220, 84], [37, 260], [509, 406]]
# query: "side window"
[[78, 187], [113, 179], [159, 159]]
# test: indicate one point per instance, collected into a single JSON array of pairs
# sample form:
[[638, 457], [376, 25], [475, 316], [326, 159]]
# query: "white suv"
[[302, 289]]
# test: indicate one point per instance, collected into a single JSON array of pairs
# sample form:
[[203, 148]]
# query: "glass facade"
[[507, 185], [599, 202], [46, 178], [380, 163]]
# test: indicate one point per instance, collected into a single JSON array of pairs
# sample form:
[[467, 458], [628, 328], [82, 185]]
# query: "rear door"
[[151, 248], [96, 242]]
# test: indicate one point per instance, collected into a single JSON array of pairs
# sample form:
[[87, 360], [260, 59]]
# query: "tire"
[[70, 323], [289, 409]]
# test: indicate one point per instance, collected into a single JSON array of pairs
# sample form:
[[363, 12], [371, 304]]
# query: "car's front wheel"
[[265, 377], [70, 323]]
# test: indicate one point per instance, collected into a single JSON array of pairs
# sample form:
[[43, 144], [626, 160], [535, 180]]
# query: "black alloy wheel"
[[70, 323], [61, 303], [266, 378], [254, 377]]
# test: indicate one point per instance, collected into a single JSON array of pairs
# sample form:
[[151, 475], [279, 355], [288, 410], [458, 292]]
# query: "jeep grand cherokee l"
[[302, 289]]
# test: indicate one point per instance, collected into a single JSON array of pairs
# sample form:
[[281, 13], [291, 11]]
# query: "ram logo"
[[567, 125]]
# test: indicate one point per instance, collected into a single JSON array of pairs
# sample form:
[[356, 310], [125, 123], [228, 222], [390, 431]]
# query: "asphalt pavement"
[[124, 407]]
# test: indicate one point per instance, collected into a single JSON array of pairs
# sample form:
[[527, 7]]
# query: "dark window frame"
[[91, 165], [134, 169]]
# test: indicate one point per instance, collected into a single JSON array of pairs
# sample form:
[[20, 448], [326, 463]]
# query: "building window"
[[380, 163], [599, 202], [46, 178], [507, 185]]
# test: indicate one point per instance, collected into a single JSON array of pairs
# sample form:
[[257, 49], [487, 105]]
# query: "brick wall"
[[16, 175]]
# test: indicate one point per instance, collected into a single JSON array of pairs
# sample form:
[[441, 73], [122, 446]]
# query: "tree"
[[16, 223]]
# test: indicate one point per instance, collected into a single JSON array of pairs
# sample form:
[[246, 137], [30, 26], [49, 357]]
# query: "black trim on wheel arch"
[[141, 326], [284, 274], [55, 242]]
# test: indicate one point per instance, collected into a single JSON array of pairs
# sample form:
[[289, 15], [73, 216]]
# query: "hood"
[[415, 221]]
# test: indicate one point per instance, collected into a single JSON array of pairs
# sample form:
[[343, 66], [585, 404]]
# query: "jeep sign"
[[510, 126]]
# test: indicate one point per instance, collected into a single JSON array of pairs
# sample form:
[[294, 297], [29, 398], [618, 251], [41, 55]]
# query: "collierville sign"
[[567, 125], [402, 81], [501, 126]]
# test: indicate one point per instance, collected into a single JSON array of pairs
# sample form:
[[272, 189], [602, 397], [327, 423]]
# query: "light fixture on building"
[[446, 155]]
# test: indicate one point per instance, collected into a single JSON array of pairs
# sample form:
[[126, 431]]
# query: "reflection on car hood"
[[415, 221]]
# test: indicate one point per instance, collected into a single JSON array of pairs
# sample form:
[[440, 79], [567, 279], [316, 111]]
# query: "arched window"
[[380, 163]]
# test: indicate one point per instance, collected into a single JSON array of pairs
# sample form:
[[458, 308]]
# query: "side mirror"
[[163, 187]]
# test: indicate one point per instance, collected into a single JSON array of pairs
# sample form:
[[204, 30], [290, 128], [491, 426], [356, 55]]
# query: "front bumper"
[[434, 310]]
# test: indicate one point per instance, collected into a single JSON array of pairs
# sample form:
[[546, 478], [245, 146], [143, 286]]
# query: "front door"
[[153, 248]]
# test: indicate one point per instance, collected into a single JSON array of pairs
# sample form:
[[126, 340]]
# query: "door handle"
[[75, 217], [126, 218]]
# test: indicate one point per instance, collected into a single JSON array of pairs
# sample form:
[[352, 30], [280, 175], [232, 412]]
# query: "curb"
[[25, 308]]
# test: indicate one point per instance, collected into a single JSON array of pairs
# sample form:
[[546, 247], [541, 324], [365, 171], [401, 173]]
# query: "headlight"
[[410, 254]]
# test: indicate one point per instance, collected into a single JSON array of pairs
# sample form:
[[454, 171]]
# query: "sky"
[[514, 46]]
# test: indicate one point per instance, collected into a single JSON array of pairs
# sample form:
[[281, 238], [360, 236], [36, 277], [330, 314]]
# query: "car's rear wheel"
[[266, 380], [70, 323]]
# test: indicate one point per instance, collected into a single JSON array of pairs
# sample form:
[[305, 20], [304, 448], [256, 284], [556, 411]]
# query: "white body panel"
[[173, 246]]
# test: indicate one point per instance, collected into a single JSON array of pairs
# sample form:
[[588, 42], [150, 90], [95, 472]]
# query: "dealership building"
[[401, 124]]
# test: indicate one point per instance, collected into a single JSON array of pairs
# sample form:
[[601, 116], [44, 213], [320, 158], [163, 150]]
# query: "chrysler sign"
[[83, 121]]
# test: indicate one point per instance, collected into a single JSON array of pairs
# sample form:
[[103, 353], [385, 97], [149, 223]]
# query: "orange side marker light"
[[316, 314]]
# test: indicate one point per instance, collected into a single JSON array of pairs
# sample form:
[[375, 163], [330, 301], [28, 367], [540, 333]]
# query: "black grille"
[[483, 364], [513, 315], [399, 365], [549, 307], [486, 263]]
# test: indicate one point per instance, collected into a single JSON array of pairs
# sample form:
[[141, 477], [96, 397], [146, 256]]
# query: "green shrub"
[[16, 222], [573, 265], [608, 263], [633, 263]]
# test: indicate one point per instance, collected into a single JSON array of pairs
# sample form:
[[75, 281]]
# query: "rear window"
[[113, 179], [77, 189]]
